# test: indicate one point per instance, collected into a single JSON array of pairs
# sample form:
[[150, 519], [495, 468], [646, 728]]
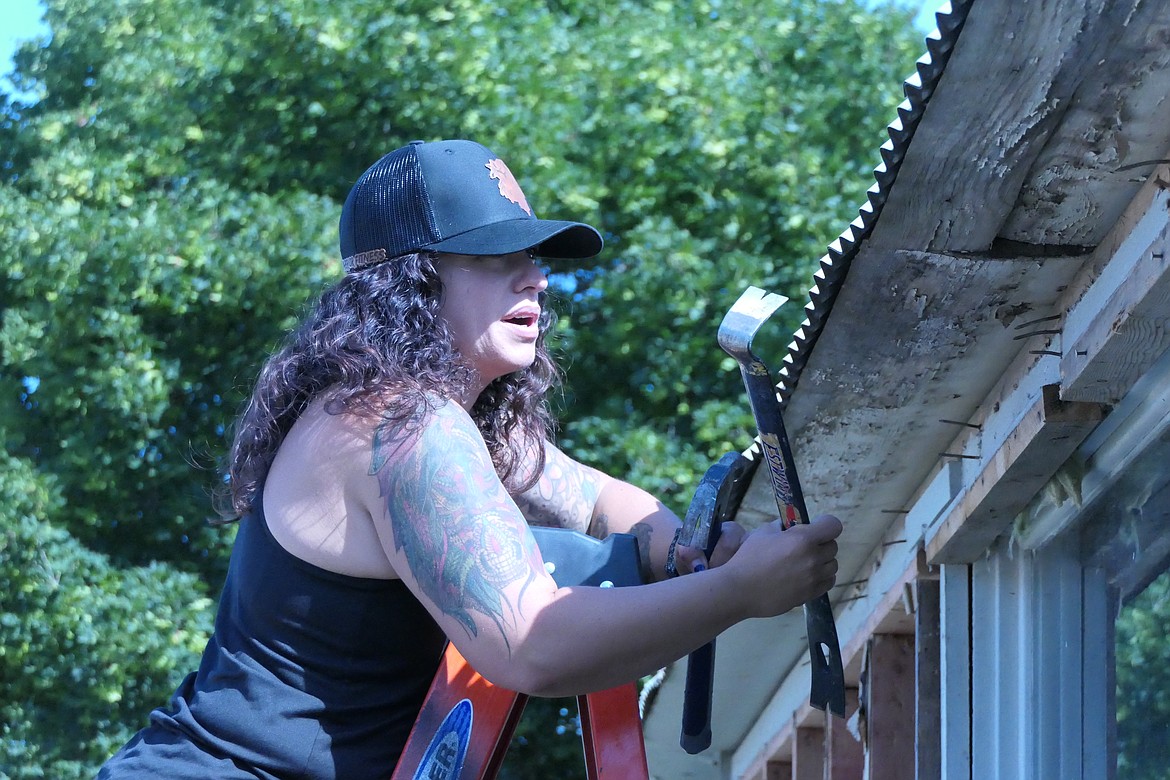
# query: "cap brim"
[[551, 238]]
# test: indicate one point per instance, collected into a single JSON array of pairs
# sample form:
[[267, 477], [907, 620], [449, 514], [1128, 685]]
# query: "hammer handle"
[[696, 717]]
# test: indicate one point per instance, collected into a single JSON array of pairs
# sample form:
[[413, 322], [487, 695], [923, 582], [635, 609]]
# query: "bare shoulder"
[[318, 426], [332, 446], [436, 430], [317, 494]]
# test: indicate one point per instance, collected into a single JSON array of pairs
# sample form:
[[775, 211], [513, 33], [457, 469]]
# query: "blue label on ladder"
[[444, 757]]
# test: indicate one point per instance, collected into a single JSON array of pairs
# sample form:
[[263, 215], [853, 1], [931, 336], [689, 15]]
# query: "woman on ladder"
[[384, 475]]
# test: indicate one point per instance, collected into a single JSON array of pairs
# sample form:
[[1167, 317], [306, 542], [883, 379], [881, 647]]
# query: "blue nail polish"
[[700, 567]]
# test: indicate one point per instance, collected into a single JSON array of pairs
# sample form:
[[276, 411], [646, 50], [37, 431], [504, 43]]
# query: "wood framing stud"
[[844, 754], [1028, 458], [808, 754], [778, 770], [890, 707]]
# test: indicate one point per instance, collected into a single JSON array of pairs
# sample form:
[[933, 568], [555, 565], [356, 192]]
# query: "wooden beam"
[[1028, 458], [890, 707], [778, 770], [1129, 331], [844, 754], [1021, 95], [808, 754]]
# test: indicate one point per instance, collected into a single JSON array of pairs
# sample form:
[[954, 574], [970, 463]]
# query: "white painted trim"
[[1098, 691], [955, 673], [1040, 640]]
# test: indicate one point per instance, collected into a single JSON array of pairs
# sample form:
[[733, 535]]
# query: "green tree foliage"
[[168, 206], [1143, 684], [85, 648]]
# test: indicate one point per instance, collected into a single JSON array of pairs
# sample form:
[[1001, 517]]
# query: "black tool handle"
[[696, 718], [828, 676], [774, 442]]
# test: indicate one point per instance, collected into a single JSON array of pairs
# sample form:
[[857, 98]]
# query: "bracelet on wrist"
[[671, 570]]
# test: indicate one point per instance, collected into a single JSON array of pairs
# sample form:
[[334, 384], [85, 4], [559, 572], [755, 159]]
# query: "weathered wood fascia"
[[1116, 324], [1044, 439], [1122, 324]]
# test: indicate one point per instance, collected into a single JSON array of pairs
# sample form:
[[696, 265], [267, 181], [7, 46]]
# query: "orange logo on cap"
[[509, 187]]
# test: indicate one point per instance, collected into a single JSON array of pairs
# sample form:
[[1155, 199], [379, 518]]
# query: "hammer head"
[[744, 318]]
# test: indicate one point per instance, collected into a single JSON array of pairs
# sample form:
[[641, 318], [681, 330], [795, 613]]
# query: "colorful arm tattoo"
[[453, 520], [564, 496]]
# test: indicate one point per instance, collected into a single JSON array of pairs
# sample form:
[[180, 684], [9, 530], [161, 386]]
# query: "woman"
[[386, 470]]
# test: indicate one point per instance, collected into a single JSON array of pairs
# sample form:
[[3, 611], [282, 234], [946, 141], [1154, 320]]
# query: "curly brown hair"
[[375, 344]]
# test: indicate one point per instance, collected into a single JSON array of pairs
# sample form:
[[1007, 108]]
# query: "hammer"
[[717, 498], [736, 332]]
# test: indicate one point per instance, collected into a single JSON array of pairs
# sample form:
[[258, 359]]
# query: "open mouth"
[[526, 319]]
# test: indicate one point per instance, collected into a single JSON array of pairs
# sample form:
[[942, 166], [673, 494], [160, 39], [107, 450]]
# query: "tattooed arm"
[[456, 538], [455, 534], [565, 495], [572, 495]]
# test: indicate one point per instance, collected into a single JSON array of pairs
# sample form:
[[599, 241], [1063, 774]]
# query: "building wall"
[[980, 644]]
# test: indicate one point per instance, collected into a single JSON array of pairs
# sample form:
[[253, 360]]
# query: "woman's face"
[[491, 303]]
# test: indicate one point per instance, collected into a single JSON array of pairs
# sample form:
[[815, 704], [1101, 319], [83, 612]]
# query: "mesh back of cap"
[[388, 208]]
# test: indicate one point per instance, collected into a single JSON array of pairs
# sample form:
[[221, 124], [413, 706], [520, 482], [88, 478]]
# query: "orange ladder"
[[466, 723]]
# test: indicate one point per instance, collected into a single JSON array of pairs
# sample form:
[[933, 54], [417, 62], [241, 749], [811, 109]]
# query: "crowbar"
[[736, 332]]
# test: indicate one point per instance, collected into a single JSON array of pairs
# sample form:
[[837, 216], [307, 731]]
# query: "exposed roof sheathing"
[[834, 266]]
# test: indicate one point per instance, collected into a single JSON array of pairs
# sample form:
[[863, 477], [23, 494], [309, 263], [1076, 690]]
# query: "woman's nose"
[[534, 277]]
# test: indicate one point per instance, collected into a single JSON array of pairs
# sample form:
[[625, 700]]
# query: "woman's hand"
[[692, 559], [781, 569], [802, 561]]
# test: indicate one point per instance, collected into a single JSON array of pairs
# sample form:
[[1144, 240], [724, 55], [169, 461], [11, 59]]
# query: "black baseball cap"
[[449, 196]]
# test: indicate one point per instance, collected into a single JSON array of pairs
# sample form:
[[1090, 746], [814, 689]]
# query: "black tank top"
[[309, 673]]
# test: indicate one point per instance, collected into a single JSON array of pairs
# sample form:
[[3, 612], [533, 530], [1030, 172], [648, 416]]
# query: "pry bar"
[[736, 332]]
